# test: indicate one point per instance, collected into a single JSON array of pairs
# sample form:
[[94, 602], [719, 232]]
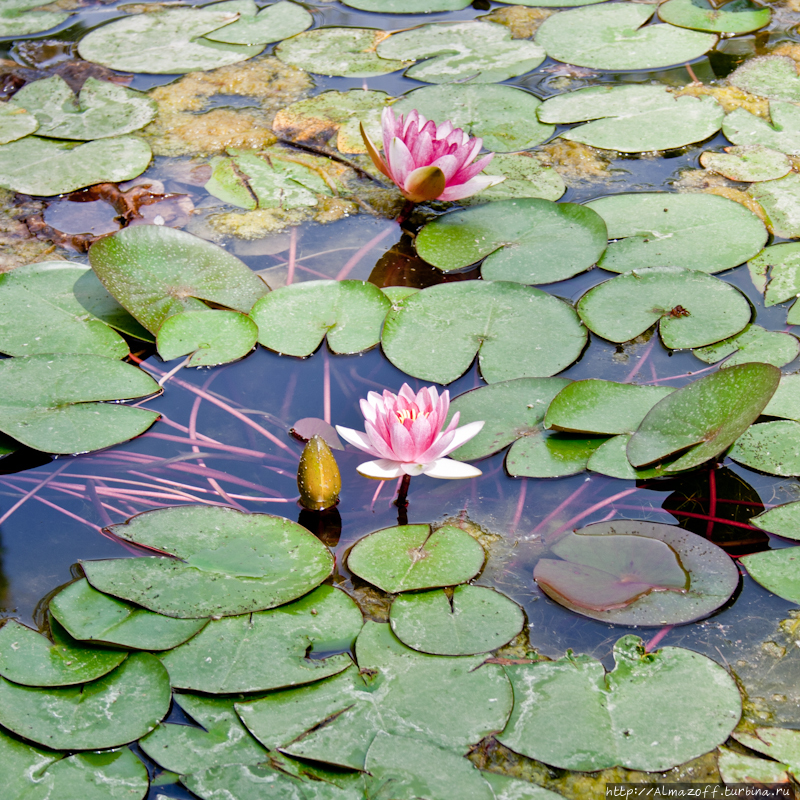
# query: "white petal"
[[380, 470], [452, 470], [413, 469], [464, 434], [357, 439]]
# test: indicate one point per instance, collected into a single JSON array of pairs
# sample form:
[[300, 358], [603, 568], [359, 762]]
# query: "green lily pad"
[[769, 76], [735, 767], [781, 264], [295, 319], [697, 231], [15, 122], [48, 167], [738, 16], [691, 308], [752, 344], [29, 772], [525, 176], [412, 557], [168, 41], [634, 118], [571, 714], [778, 571], [478, 52], [705, 417], [507, 788], [346, 52], [408, 6], [527, 240], [747, 163], [232, 562], [155, 271], [772, 447], [781, 744], [611, 458], [781, 202], [273, 23], [81, 717], [475, 619], [101, 109], [450, 702], [31, 659], [545, 454], [436, 333], [503, 116], [89, 615], [786, 400], [782, 520], [212, 337], [16, 18], [615, 37], [744, 128], [51, 402], [227, 656]]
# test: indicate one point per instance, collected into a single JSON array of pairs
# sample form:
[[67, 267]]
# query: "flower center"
[[408, 416]]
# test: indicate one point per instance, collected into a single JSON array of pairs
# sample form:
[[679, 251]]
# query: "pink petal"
[[379, 442], [422, 149], [450, 470], [423, 435], [473, 186], [400, 441], [469, 171], [407, 393], [447, 164], [381, 470], [444, 130], [357, 439], [464, 434]]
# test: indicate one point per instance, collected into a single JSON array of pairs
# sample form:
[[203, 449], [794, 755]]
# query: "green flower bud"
[[318, 477]]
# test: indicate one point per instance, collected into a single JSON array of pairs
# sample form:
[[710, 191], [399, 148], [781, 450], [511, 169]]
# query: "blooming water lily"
[[404, 431]]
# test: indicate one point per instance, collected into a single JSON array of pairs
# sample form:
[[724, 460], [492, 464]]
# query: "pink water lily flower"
[[429, 162], [404, 431]]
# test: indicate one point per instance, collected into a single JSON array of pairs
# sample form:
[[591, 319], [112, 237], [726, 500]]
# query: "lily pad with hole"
[[476, 619], [736, 767], [155, 271], [411, 557], [782, 520], [271, 24], [781, 203], [526, 240], [704, 418], [633, 118], [295, 319], [772, 447], [101, 109], [738, 16], [503, 116], [211, 337], [744, 128], [769, 76], [786, 400], [436, 333], [113, 710], [53, 403], [525, 176], [47, 167], [408, 6], [747, 163], [778, 571], [17, 18], [754, 343], [15, 123], [696, 231], [167, 41], [227, 656], [451, 702], [572, 715], [224, 563], [474, 51], [89, 615], [343, 52], [615, 36], [690, 307], [778, 271]]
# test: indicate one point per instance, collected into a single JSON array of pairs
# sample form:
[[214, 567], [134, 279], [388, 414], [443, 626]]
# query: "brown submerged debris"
[[523, 22], [575, 162], [729, 97], [708, 182], [18, 246]]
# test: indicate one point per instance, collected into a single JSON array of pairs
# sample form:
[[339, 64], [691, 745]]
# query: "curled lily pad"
[[752, 344], [481, 52], [15, 123], [437, 332], [748, 163], [412, 557], [781, 202], [225, 562], [275, 22], [571, 714], [778, 268], [528, 240], [777, 571], [738, 16], [769, 76], [691, 308], [17, 18], [212, 337], [295, 319], [772, 447], [780, 133]]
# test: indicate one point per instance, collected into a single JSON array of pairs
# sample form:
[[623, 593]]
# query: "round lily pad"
[[15, 123], [412, 557], [781, 202], [782, 520], [225, 562], [437, 332], [754, 343], [528, 240], [212, 337], [408, 6], [81, 717], [630, 572], [777, 571], [89, 615], [475, 619], [691, 308], [738, 16], [271, 24], [503, 116], [653, 711], [696, 231], [769, 76], [748, 163], [525, 176], [772, 447], [614, 36], [779, 133]]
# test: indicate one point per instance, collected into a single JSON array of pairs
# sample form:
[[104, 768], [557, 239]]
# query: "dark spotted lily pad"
[[754, 343], [232, 563], [738, 16], [275, 22], [785, 402], [744, 128], [778, 571], [780, 265], [638, 573], [772, 447], [782, 520], [769, 76], [571, 714], [748, 163], [212, 337]]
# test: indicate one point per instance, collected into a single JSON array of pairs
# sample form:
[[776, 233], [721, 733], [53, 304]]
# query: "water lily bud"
[[318, 477], [425, 183]]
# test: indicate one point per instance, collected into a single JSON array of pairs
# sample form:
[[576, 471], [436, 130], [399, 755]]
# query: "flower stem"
[[401, 501], [406, 212]]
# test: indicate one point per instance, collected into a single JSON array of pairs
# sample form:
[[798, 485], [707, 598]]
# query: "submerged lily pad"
[[527, 240], [412, 557], [781, 202], [696, 231], [744, 128], [15, 123], [571, 714], [480, 52], [155, 271], [295, 319], [772, 447], [614, 36], [230, 562], [503, 116], [769, 76], [752, 344], [212, 337], [747, 163], [17, 18], [51, 402], [633, 118], [778, 571], [738, 16], [271, 24], [437, 332]]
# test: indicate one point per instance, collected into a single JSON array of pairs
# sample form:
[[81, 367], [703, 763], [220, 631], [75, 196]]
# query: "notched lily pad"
[[271, 24], [747, 163], [768, 76], [212, 337], [777, 272], [754, 343], [780, 200], [780, 133], [738, 16]]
